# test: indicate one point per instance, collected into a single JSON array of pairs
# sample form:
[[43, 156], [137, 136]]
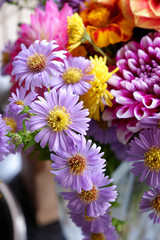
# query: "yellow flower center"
[[77, 164], [72, 75], [5, 58], [19, 102], [97, 236], [102, 124], [89, 196], [98, 17], [156, 205], [12, 123], [36, 62], [152, 158], [75, 30], [59, 119]]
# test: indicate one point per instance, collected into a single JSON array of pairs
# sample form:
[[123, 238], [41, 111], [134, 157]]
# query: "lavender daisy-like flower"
[[74, 75], [75, 4], [20, 99], [56, 116], [94, 202], [136, 85], [37, 64], [72, 167], [110, 234], [4, 145], [151, 202], [144, 152], [150, 122]]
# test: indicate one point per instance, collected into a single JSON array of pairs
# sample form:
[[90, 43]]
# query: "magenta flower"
[[50, 24], [73, 166], [151, 202], [74, 75], [20, 99], [94, 202], [57, 116], [4, 145], [37, 64], [144, 153], [136, 86]]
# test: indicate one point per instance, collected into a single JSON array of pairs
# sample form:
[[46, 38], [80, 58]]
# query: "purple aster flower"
[[151, 202], [4, 145], [92, 224], [110, 234], [75, 4], [94, 202], [72, 167], [74, 75], [136, 86], [20, 99], [37, 64], [57, 116], [144, 152], [150, 122]]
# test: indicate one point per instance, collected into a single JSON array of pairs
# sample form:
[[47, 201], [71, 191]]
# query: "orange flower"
[[105, 22], [146, 13]]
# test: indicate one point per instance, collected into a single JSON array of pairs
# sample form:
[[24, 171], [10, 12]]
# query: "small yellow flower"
[[75, 31], [98, 96]]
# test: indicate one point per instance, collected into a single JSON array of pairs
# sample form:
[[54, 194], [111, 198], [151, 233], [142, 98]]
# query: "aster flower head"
[[136, 86], [75, 75], [72, 167], [20, 99], [58, 115], [75, 4], [151, 202], [94, 202], [98, 96], [37, 64], [4, 145], [144, 153], [110, 234], [150, 122]]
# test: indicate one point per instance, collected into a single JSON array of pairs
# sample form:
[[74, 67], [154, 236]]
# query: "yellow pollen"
[[5, 58], [156, 205], [59, 119], [97, 236], [19, 102], [99, 17], [12, 123], [152, 158], [36, 62], [72, 75], [89, 196], [77, 164]]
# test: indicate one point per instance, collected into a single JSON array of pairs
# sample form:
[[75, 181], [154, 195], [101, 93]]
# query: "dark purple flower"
[[151, 202], [144, 153], [94, 202], [72, 167]]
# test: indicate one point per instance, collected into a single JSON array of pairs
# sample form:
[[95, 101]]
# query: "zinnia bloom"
[[136, 85], [4, 146], [151, 202], [94, 202], [106, 23], [144, 152], [74, 76], [37, 64], [73, 166], [98, 96], [57, 116], [20, 99]]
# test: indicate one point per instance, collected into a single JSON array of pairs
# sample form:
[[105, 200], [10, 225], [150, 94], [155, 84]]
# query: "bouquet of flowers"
[[86, 82]]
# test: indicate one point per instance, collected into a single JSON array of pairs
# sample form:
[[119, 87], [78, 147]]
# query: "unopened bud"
[[16, 139]]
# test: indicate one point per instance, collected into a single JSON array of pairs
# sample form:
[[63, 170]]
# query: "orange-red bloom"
[[105, 22]]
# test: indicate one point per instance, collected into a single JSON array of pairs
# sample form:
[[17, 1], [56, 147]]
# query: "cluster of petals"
[[151, 202], [4, 145], [98, 203], [144, 154], [136, 85], [50, 24], [73, 166], [37, 64], [44, 109]]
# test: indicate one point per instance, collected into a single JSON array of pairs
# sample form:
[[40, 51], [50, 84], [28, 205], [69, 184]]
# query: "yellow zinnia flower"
[[98, 96]]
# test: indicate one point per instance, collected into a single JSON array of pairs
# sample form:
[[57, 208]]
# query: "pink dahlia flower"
[[136, 86], [50, 24]]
